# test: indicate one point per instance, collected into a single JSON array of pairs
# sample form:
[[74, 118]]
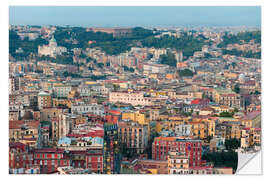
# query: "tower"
[[179, 56]]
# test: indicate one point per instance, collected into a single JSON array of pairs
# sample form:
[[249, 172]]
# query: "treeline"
[[28, 46], [242, 36], [187, 43], [116, 45], [185, 72], [68, 36], [59, 59], [78, 37], [246, 54], [222, 159]]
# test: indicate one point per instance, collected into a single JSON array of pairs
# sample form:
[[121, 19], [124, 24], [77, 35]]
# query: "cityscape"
[[133, 99]]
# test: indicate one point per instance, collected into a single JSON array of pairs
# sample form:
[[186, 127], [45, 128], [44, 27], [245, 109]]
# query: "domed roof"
[[52, 40]]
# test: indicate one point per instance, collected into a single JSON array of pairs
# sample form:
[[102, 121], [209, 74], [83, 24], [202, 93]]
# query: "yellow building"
[[159, 126], [247, 123], [211, 124], [255, 136], [170, 76], [135, 116], [73, 94], [226, 97], [198, 129], [235, 131], [171, 124], [65, 102], [230, 75]]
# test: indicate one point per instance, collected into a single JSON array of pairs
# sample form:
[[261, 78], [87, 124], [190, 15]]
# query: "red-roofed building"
[[199, 101], [191, 148], [49, 159], [113, 116], [19, 156], [94, 160]]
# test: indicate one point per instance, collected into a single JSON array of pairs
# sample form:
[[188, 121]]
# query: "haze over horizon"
[[123, 16]]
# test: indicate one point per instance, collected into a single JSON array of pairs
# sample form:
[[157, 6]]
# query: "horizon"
[[134, 16]]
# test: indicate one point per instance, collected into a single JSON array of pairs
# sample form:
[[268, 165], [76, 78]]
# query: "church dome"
[[53, 40]]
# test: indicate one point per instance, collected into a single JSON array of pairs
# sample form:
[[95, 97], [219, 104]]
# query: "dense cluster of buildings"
[[149, 121]]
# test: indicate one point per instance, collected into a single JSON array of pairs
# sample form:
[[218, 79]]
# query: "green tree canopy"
[[185, 72]]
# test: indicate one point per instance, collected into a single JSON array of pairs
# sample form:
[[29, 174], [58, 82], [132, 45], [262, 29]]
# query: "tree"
[[208, 138], [116, 87], [187, 43], [226, 114], [168, 59], [257, 92], [185, 72], [28, 46], [148, 150], [237, 89], [131, 69], [128, 69], [232, 144], [100, 65], [221, 159]]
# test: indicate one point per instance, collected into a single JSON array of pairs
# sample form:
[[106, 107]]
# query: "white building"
[[134, 99], [61, 91], [183, 130], [100, 89], [205, 49], [65, 124], [82, 108], [84, 91], [155, 68], [158, 52], [52, 49]]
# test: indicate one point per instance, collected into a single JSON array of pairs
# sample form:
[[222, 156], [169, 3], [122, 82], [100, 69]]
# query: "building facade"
[[191, 148], [133, 135]]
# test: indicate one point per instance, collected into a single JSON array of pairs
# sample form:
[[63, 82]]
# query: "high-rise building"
[[14, 84], [44, 100], [133, 135], [111, 154]]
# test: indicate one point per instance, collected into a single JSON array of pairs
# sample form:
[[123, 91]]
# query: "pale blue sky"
[[136, 16]]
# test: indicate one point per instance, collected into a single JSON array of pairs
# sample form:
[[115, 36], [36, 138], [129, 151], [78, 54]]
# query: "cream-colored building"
[[133, 98], [178, 163], [51, 49]]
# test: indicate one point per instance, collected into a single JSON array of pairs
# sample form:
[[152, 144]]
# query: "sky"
[[121, 16]]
